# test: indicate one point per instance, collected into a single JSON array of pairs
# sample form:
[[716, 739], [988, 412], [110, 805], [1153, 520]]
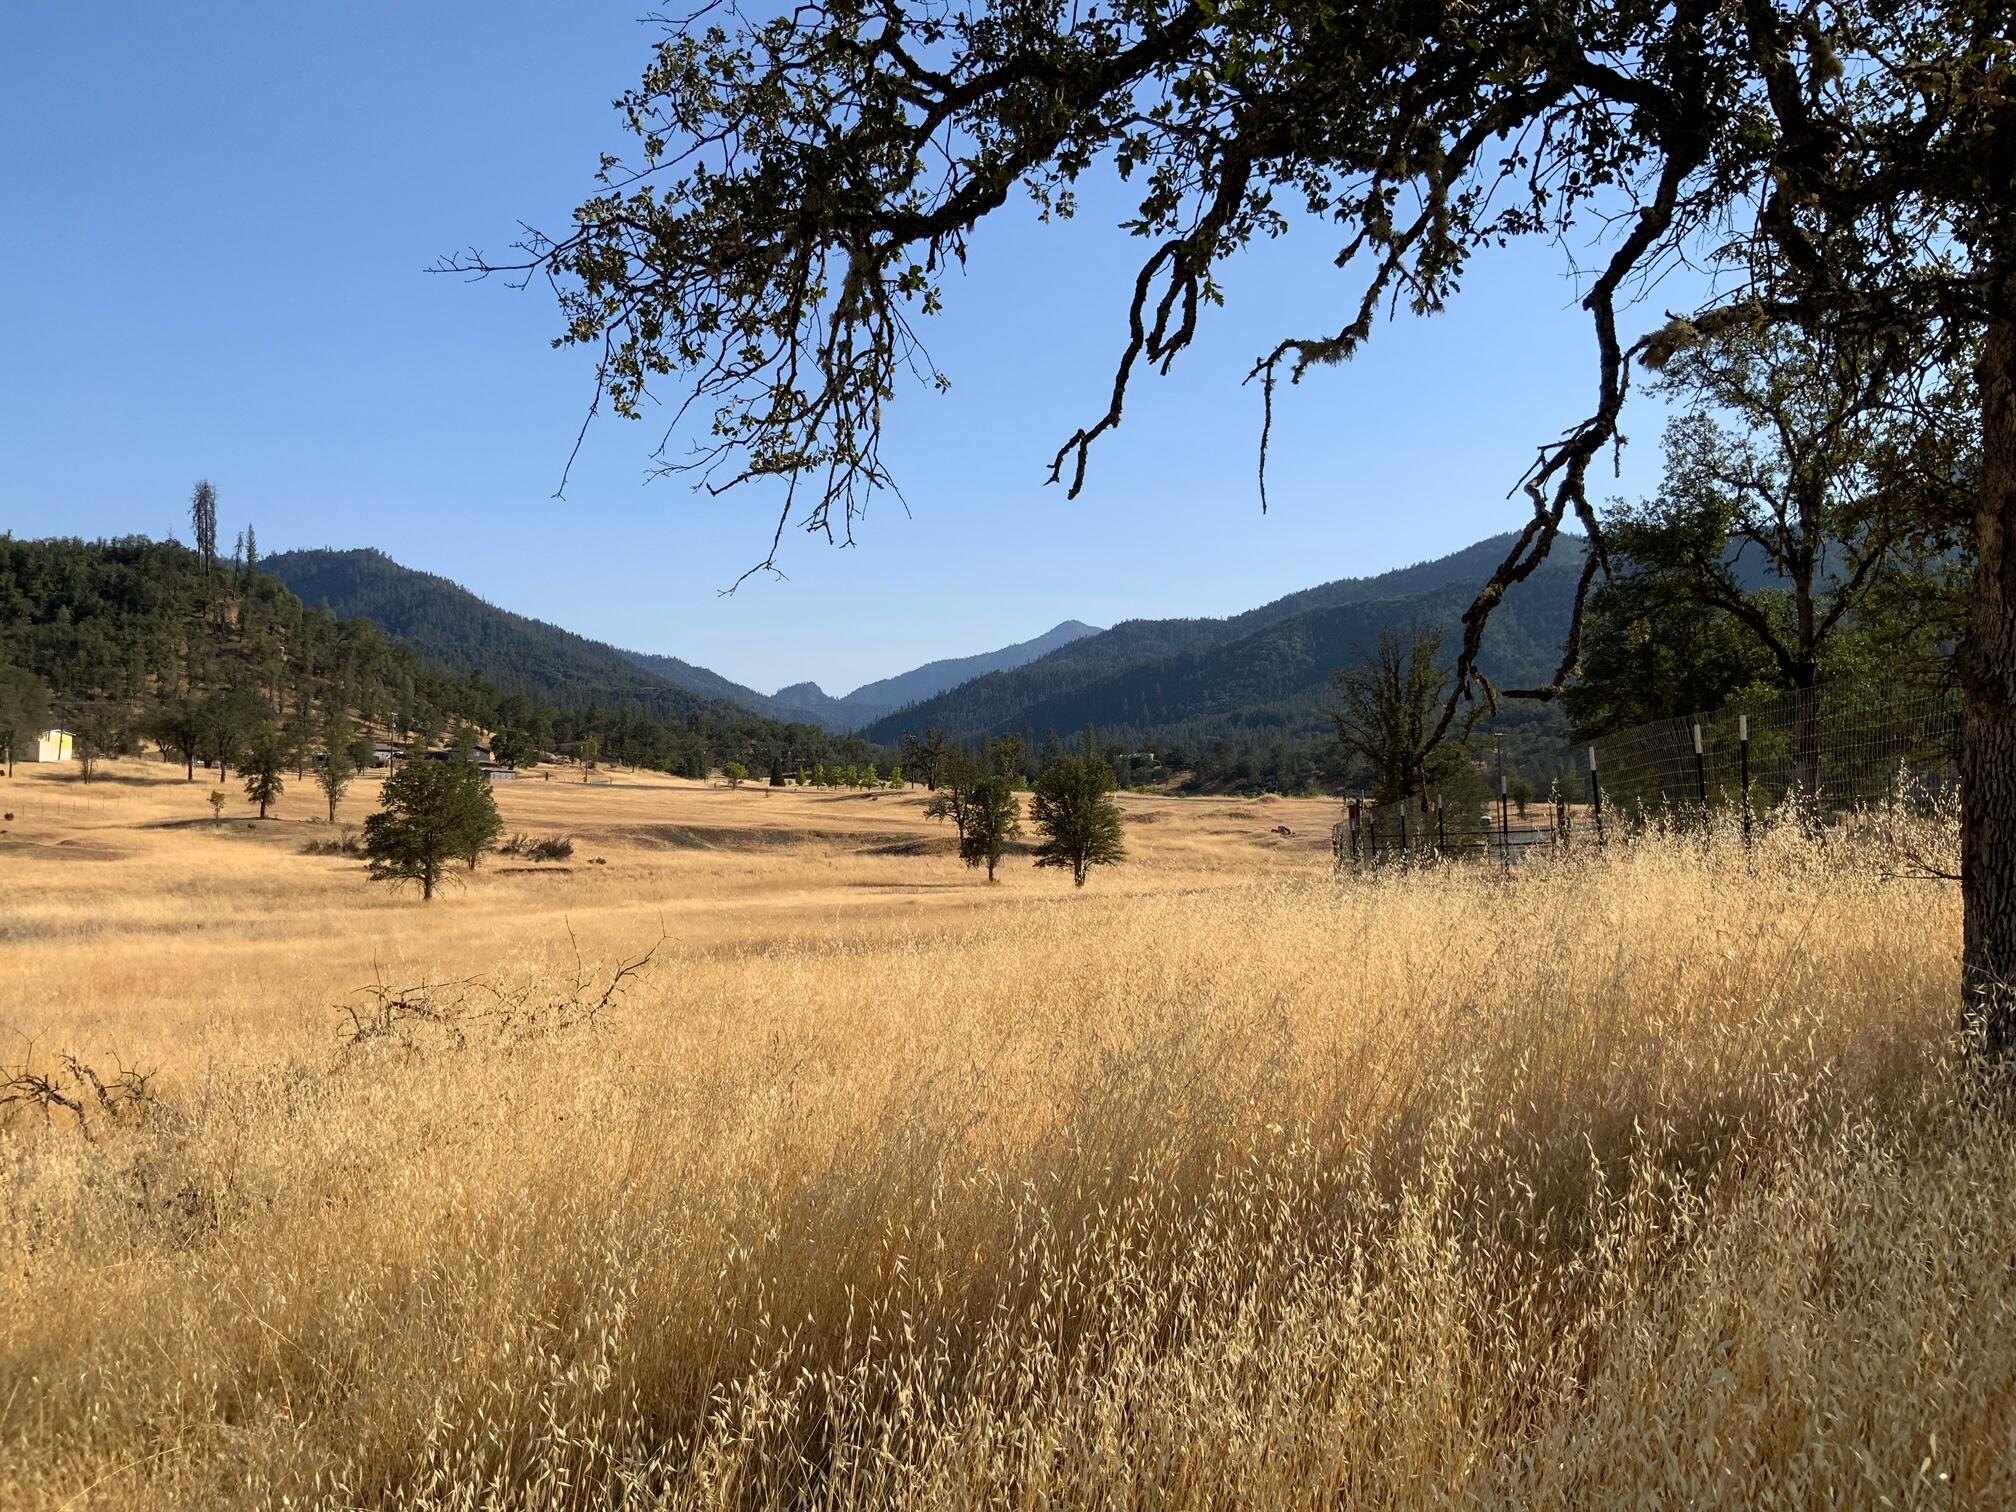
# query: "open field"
[[1222, 1183], [141, 916]]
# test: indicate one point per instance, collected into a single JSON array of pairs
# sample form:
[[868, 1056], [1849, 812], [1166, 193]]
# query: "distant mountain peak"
[[799, 692], [1268, 669]]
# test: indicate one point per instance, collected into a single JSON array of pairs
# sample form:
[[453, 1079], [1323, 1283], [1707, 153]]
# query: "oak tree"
[[1073, 807], [339, 759], [807, 179], [24, 710], [993, 818]]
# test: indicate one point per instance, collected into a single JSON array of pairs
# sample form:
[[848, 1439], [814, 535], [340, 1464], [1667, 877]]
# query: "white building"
[[50, 745]]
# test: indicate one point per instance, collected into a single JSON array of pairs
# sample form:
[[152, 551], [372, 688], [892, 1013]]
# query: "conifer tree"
[[265, 768], [431, 813], [203, 521]]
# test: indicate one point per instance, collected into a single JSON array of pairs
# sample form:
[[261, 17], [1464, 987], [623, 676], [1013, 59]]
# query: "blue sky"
[[220, 216]]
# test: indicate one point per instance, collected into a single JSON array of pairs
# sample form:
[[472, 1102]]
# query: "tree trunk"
[[1988, 755]]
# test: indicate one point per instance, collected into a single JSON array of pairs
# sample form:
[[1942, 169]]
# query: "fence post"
[[1504, 813], [1743, 745], [1595, 795], [1403, 828], [1700, 775], [1441, 827]]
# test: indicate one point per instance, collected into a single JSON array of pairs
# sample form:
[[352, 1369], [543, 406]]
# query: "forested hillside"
[[871, 701], [446, 623], [122, 630], [1246, 699]]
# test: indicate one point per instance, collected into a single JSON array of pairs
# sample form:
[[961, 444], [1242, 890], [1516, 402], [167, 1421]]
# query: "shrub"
[[349, 843], [537, 848]]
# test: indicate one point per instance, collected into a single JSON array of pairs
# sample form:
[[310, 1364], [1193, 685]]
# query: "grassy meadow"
[[1642, 1178]]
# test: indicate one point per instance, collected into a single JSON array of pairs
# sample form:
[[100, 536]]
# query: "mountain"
[[1268, 669], [129, 636], [872, 700], [700, 680], [446, 623], [1238, 702]]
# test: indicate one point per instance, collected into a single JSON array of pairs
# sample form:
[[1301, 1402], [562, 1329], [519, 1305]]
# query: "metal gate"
[[1420, 829]]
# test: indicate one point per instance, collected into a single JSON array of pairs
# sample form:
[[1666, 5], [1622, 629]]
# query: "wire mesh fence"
[[1818, 753], [1824, 751]]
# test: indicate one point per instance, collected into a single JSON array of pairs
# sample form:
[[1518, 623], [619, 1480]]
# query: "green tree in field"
[[1074, 809], [926, 757], [99, 728], [24, 710], [895, 776], [432, 812], [229, 718], [1388, 713], [819, 775], [217, 801], [339, 759], [590, 751], [993, 818], [176, 726], [265, 762], [776, 770], [952, 799], [870, 777], [735, 772], [515, 747]]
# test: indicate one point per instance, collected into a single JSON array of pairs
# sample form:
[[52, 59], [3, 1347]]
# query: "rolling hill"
[[1267, 669], [445, 622], [1241, 699], [448, 624]]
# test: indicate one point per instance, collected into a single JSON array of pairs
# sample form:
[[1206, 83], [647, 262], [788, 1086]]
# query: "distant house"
[[478, 754], [50, 745], [385, 753], [498, 772]]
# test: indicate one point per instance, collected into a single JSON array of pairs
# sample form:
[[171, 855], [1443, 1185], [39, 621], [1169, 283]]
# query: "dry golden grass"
[[1644, 1179]]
